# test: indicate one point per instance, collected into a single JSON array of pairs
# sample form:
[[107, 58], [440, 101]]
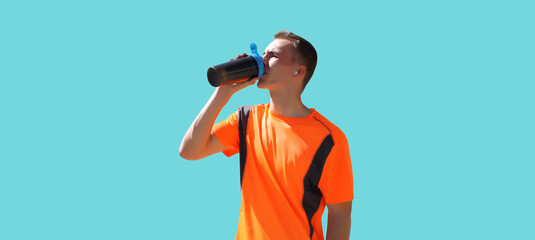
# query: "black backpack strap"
[[243, 116]]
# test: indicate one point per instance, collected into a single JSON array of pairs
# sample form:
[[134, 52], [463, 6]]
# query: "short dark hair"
[[306, 53]]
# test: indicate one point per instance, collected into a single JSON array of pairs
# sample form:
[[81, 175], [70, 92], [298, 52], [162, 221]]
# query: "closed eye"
[[272, 53]]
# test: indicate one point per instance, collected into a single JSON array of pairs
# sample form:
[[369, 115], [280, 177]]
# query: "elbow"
[[185, 154], [189, 157]]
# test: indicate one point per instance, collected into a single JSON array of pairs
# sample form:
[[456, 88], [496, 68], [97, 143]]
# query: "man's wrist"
[[223, 93]]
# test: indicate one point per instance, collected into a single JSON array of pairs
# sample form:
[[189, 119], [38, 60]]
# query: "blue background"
[[436, 99]]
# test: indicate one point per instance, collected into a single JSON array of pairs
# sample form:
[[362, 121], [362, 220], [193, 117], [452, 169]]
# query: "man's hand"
[[233, 88], [199, 142]]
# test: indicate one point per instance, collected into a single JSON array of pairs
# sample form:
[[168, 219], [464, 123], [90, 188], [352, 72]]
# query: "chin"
[[261, 86], [261, 83]]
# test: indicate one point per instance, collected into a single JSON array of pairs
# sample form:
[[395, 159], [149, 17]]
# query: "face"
[[279, 68]]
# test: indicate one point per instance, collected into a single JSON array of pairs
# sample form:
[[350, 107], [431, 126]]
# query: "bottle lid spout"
[[258, 59]]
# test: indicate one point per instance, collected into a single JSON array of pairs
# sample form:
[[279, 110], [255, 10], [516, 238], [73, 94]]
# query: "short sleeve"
[[227, 133], [336, 181]]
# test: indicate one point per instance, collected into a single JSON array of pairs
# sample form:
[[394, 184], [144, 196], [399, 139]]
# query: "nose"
[[265, 61]]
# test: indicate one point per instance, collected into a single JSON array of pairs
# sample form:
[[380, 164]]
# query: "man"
[[296, 160]]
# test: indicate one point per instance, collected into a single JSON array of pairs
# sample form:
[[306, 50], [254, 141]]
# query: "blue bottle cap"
[[258, 59]]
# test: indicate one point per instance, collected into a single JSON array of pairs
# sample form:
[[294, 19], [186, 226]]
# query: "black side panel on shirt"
[[312, 195], [243, 117]]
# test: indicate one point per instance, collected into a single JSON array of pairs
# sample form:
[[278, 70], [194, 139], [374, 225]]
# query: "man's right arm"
[[199, 142]]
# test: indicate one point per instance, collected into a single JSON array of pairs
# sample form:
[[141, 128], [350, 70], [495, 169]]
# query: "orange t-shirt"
[[280, 153]]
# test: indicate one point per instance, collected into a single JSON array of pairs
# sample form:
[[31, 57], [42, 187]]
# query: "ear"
[[301, 70]]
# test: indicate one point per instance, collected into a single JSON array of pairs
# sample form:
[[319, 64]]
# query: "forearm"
[[198, 134], [338, 226]]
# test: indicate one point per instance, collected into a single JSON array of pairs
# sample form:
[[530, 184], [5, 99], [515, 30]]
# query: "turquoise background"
[[436, 99]]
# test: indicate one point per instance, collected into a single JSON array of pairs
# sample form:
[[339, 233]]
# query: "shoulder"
[[336, 133], [259, 107], [250, 111], [254, 108]]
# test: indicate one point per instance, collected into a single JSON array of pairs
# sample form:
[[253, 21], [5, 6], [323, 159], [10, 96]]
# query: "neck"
[[287, 104]]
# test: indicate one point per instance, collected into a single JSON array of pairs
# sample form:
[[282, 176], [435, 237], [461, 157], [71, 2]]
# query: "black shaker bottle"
[[239, 70]]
